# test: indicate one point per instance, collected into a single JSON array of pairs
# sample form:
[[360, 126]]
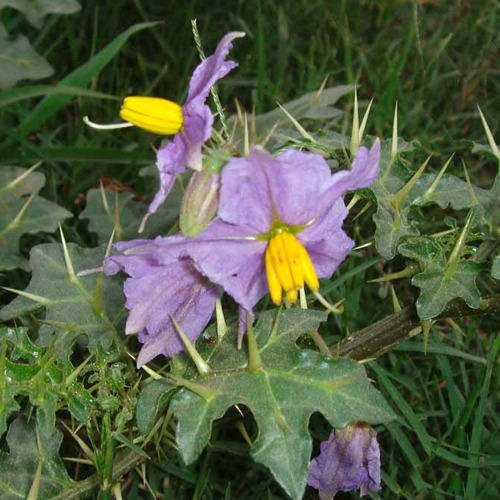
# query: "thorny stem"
[[376, 339]]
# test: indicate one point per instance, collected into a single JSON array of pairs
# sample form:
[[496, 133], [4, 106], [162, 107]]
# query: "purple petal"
[[192, 308], [236, 264], [349, 460], [365, 169], [198, 120], [326, 242], [297, 185], [170, 161], [163, 282], [212, 68], [245, 197]]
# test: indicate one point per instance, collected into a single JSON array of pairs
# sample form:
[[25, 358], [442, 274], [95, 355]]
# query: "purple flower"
[[192, 123], [349, 459], [163, 283], [279, 223]]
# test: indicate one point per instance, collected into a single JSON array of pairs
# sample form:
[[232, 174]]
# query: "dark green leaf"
[[392, 225], [20, 214], [438, 287], [18, 467], [19, 61], [428, 251], [495, 268], [449, 191], [36, 10], [391, 218], [28, 370], [151, 398], [107, 210], [86, 305], [291, 385]]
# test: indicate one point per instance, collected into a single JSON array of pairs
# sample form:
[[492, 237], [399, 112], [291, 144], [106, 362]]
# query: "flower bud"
[[200, 201], [349, 459]]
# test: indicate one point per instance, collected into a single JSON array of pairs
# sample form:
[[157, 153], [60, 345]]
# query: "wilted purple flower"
[[349, 460], [191, 123], [281, 219], [163, 283]]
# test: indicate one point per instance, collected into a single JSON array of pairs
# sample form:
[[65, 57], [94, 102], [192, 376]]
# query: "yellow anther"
[[293, 253], [279, 258], [153, 114], [288, 266], [291, 295], [310, 276], [272, 280]]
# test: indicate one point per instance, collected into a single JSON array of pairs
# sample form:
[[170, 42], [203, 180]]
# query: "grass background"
[[435, 58]]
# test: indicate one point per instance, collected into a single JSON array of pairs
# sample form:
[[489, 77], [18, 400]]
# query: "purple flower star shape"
[[279, 224], [162, 283], [349, 460]]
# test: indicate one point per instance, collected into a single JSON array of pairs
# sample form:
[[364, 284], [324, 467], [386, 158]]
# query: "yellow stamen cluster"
[[288, 267], [152, 114]]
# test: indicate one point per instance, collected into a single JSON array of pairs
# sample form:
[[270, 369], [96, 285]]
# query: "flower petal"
[[190, 302], [212, 68], [171, 161], [245, 196], [224, 255], [365, 169], [198, 120], [325, 241], [349, 460], [163, 282], [298, 183]]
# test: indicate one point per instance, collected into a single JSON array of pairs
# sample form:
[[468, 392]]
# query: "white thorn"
[[491, 139], [246, 143], [104, 198], [332, 308], [88, 272], [31, 296], [25, 174], [364, 121], [302, 131], [67, 258], [394, 146], [220, 320], [355, 125], [18, 217], [110, 244]]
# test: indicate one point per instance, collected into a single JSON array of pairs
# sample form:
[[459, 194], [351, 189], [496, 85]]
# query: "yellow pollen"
[[152, 114], [288, 267]]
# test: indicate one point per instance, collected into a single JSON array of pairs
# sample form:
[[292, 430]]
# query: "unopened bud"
[[200, 201]]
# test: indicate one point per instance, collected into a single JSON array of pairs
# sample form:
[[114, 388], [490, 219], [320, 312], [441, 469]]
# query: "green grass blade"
[[71, 154], [404, 407], [30, 91], [478, 425], [436, 348]]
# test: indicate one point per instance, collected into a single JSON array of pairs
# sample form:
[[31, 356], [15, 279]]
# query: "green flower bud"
[[200, 201]]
